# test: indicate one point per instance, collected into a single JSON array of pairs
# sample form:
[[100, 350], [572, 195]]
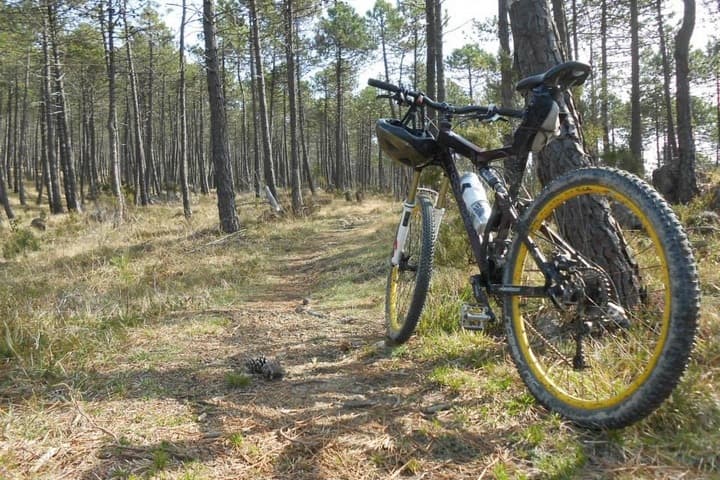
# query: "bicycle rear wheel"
[[408, 282], [607, 344]]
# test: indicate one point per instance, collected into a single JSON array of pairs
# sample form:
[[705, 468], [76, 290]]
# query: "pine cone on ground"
[[269, 369], [255, 365]]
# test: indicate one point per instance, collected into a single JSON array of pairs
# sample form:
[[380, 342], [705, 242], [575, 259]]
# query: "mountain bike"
[[594, 276]]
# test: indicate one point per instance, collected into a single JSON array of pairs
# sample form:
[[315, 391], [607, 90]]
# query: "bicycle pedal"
[[474, 317]]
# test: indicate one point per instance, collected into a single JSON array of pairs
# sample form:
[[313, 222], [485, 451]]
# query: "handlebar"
[[383, 85], [420, 99]]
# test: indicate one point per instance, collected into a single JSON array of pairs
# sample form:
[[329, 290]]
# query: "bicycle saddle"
[[565, 75]]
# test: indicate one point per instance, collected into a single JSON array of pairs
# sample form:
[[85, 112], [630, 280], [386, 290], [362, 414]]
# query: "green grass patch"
[[237, 380], [453, 378], [20, 242]]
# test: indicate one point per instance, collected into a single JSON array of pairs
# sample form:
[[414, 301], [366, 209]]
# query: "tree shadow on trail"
[[340, 395]]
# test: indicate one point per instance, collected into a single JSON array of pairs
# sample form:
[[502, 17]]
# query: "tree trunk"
[[297, 200], [150, 173], [667, 73], [141, 193], [114, 158], [187, 209], [218, 126], [262, 103], [536, 47], [24, 126], [67, 156], [303, 138], [256, 132], [686, 186], [54, 193], [561, 24], [439, 60], [636, 145], [3, 163], [604, 78], [340, 177], [430, 64]]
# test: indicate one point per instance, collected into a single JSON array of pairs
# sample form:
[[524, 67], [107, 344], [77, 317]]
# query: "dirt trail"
[[176, 402]]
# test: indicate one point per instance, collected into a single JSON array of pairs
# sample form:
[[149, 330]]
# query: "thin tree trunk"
[[67, 156], [262, 104], [256, 135], [148, 129], [4, 162], [187, 209], [561, 24], [303, 139], [686, 183], [667, 74], [24, 154], [604, 78], [54, 195], [430, 64], [297, 200], [340, 175], [636, 145], [229, 222], [114, 158], [136, 121], [439, 60]]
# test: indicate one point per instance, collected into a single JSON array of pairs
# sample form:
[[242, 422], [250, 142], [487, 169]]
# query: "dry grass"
[[123, 351]]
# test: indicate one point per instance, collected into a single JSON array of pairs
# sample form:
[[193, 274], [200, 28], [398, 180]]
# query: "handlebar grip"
[[383, 85]]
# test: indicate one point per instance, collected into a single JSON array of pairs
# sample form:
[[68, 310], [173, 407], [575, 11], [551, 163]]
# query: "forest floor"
[[129, 344]]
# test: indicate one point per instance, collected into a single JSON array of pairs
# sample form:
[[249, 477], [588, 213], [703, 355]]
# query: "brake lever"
[[493, 116]]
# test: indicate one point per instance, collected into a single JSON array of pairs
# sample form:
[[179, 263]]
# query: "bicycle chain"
[[550, 345]]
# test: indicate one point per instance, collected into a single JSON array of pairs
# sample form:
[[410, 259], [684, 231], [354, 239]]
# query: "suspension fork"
[[404, 227]]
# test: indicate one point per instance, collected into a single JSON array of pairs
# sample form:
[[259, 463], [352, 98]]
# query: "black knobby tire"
[[408, 283], [629, 361]]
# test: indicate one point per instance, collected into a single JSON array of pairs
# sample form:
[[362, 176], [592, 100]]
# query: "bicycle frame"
[[504, 214]]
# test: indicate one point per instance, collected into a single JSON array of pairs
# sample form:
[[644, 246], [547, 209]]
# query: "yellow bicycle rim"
[[536, 365]]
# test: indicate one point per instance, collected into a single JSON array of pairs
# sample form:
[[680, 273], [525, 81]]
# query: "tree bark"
[[667, 74], [4, 162], [67, 156], [24, 126], [686, 186], [262, 103], [636, 146], [141, 194], [561, 24], [54, 191], [430, 64], [218, 126], [114, 158], [150, 171], [297, 200], [187, 209], [536, 50], [303, 138], [439, 60], [340, 177], [604, 106]]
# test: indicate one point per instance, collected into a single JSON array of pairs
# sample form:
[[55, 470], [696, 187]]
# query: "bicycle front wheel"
[[611, 338], [408, 282]]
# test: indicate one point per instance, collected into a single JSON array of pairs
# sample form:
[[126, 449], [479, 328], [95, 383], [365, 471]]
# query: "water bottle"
[[475, 198]]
